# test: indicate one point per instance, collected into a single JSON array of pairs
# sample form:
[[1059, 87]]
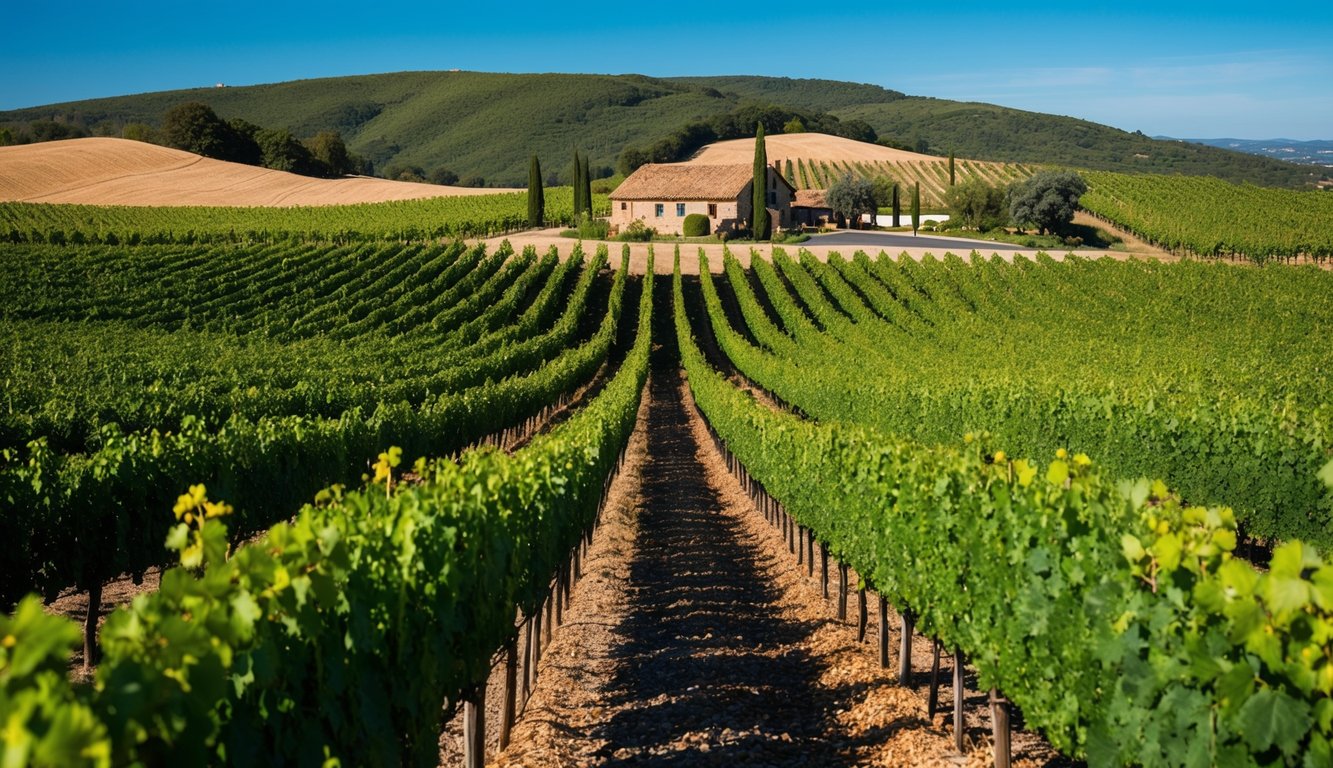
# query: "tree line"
[[194, 127]]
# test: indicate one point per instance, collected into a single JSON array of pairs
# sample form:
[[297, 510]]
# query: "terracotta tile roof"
[[810, 198], [684, 181]]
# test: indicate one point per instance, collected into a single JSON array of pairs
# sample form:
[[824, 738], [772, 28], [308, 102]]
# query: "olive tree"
[[850, 197], [1047, 200]]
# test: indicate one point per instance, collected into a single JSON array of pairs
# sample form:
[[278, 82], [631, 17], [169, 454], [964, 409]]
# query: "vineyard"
[[933, 176], [1113, 612], [1209, 217], [376, 462], [407, 220], [270, 392]]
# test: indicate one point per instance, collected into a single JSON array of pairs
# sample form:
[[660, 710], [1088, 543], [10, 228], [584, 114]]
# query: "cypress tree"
[[587, 186], [759, 198], [951, 177], [916, 208], [536, 196], [578, 184], [897, 205]]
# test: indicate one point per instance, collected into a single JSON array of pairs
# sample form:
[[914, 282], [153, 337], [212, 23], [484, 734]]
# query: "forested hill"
[[483, 124], [990, 132]]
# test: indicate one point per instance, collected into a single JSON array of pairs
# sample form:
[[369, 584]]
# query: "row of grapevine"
[[1111, 613], [347, 634], [66, 381], [80, 518], [1209, 217], [1070, 355], [931, 174], [404, 220]]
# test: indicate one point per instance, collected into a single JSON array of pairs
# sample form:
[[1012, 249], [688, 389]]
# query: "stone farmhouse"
[[663, 194]]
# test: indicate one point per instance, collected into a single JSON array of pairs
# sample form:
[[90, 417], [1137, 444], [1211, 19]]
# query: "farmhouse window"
[[772, 198], [624, 206], [680, 209], [658, 209], [712, 210]]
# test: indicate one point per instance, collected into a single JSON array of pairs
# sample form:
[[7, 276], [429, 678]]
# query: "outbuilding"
[[810, 208], [661, 195]]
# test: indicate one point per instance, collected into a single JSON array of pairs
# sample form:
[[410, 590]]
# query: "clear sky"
[[1184, 69]]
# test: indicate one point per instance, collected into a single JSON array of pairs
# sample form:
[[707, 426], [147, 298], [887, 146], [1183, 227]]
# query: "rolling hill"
[[104, 171], [815, 160], [489, 124]]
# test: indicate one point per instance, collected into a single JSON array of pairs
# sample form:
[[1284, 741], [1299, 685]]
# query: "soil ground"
[[820, 146], [695, 638], [105, 171]]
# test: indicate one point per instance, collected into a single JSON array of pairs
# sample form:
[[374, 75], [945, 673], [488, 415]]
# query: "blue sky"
[[1199, 70]]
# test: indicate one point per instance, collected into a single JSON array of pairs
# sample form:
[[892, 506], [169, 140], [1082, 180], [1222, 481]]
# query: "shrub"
[[696, 225], [592, 229], [637, 232]]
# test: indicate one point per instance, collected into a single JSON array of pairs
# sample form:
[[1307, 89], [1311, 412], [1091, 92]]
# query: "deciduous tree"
[[194, 127], [282, 152], [443, 177], [884, 195], [977, 204], [330, 151]]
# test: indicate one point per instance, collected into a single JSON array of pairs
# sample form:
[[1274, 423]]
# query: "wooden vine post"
[[905, 650], [511, 684], [958, 725], [883, 633], [90, 624], [529, 662], [862, 618], [474, 727], [933, 699], [823, 569], [842, 591], [999, 708], [536, 643]]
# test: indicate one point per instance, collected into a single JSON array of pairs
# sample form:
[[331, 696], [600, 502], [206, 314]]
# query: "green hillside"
[[488, 124], [990, 132]]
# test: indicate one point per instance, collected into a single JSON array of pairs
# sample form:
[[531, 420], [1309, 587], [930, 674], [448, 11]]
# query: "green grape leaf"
[[1168, 550], [1272, 718]]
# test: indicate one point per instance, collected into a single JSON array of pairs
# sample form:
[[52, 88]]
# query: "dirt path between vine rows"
[[695, 639]]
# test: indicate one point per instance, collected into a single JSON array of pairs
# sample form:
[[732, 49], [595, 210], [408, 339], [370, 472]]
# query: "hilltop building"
[[663, 194]]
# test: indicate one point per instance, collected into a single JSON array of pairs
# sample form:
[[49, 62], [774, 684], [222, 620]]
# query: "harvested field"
[[807, 145], [106, 171]]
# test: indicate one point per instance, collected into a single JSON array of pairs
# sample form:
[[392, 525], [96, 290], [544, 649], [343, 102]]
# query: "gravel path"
[[696, 639]]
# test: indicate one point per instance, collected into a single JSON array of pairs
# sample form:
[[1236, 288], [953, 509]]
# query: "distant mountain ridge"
[[489, 124], [1318, 152]]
